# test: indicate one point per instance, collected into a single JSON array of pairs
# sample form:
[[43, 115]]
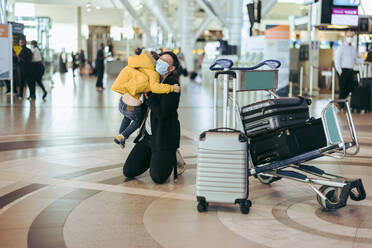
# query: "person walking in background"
[[100, 66], [74, 63], [345, 58], [63, 61], [38, 68], [81, 59], [25, 59]]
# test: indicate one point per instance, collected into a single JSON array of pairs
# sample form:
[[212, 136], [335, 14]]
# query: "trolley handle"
[[272, 63], [226, 64], [223, 63]]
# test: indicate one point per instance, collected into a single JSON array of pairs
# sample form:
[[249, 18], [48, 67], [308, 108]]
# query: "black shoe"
[[44, 96]]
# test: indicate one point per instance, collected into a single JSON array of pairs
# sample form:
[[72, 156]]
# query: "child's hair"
[[138, 50]]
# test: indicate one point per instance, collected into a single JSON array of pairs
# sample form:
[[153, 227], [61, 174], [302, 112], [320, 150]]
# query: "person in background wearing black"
[[100, 66], [110, 47], [159, 137], [63, 61], [15, 77], [74, 63], [25, 59], [81, 59], [38, 68]]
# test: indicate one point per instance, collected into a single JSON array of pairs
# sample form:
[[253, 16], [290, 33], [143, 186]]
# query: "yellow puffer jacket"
[[139, 76]]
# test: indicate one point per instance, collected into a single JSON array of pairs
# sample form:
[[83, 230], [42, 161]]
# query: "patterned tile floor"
[[61, 182]]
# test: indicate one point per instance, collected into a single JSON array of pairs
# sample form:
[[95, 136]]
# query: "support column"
[[315, 62], [144, 34], [78, 28], [157, 11], [185, 13], [3, 19], [234, 22], [310, 63], [136, 17]]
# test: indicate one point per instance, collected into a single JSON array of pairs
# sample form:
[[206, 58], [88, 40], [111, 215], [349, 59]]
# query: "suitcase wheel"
[[245, 206], [333, 198], [202, 206]]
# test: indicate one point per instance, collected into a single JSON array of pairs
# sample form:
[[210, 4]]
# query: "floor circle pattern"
[[349, 216]]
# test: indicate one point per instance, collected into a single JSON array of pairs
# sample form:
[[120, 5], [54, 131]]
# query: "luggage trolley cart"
[[334, 190]]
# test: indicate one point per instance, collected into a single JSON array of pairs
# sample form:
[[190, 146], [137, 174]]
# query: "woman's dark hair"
[[34, 43], [176, 63]]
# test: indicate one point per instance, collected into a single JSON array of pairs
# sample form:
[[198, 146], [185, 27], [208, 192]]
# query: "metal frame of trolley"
[[334, 190]]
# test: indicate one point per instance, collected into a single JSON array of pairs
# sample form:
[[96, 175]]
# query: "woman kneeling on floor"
[[159, 136]]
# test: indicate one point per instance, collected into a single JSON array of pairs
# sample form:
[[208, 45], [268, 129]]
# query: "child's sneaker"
[[120, 140]]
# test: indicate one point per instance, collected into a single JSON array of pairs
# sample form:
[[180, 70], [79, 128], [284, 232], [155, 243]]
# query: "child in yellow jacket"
[[137, 78]]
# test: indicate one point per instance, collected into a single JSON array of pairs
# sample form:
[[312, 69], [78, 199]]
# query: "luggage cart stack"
[[295, 139]]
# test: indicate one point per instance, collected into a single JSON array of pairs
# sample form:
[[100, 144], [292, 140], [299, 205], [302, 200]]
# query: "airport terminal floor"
[[61, 182]]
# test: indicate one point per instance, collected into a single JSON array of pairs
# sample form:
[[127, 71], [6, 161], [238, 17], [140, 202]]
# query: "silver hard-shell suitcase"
[[222, 166]]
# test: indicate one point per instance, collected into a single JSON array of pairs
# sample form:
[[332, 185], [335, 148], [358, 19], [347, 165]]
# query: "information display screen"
[[353, 3], [341, 16]]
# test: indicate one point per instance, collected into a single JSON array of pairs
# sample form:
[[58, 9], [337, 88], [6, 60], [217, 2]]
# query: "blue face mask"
[[161, 67]]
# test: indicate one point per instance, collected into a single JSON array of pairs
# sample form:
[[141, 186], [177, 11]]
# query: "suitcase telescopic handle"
[[242, 136]]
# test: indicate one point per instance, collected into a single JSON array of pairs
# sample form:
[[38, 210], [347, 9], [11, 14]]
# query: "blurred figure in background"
[[81, 59], [110, 47], [345, 58], [63, 61], [74, 63], [100, 66], [38, 68], [25, 59]]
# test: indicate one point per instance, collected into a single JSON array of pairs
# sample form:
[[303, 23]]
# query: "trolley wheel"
[[333, 197], [267, 179], [245, 206], [202, 206]]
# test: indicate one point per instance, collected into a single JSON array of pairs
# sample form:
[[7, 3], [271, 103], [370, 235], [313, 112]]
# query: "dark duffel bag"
[[287, 142], [273, 114]]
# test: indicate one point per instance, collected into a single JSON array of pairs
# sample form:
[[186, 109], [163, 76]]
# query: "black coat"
[[100, 60], [25, 59], [165, 126]]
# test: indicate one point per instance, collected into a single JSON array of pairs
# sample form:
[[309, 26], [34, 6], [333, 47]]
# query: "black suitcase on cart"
[[273, 114], [287, 142]]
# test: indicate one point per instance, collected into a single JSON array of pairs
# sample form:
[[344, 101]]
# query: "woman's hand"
[[176, 88]]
